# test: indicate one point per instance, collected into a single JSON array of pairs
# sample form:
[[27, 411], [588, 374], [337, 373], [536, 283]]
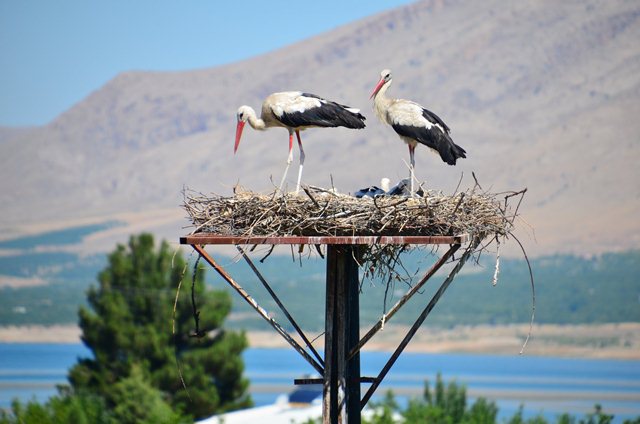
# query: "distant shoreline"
[[610, 341]]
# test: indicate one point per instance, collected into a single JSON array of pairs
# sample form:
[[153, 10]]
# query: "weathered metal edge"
[[210, 238]]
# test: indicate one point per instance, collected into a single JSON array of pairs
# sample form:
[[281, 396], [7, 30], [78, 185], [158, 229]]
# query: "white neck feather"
[[381, 102], [255, 122]]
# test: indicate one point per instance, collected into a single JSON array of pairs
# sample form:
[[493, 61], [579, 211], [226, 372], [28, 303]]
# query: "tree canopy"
[[128, 327]]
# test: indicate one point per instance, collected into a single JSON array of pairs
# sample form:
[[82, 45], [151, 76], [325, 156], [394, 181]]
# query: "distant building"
[[297, 407]]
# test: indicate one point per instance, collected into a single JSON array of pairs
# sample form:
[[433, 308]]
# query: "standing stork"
[[414, 124], [297, 111]]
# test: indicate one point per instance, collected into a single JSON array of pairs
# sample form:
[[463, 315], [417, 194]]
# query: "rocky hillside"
[[541, 94]]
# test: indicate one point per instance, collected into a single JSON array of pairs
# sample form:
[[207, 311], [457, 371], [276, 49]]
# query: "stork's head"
[[385, 77], [243, 116]]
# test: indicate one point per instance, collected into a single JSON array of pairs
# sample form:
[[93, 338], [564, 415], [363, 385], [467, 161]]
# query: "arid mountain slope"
[[541, 94]]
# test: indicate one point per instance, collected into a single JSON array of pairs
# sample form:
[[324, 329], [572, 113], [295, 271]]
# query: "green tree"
[[597, 416], [482, 412], [136, 402], [128, 327], [383, 410], [66, 407], [446, 405]]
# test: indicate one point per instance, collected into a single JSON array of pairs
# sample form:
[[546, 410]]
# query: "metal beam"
[[279, 303], [252, 302], [305, 381], [208, 238], [427, 310], [386, 317], [341, 366]]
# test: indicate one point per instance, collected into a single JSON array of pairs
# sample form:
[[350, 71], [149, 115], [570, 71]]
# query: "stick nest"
[[321, 212]]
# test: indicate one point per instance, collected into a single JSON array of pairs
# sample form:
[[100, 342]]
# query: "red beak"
[[378, 86], [239, 128]]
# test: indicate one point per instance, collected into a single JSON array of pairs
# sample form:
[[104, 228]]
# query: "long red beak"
[[378, 86], [239, 128]]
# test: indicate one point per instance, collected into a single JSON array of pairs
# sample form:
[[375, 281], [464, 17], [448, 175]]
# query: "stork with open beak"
[[297, 111], [414, 124]]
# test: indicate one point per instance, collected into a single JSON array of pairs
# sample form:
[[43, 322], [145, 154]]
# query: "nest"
[[321, 212]]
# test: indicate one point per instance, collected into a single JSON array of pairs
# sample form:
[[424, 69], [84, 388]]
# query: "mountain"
[[541, 94], [8, 133]]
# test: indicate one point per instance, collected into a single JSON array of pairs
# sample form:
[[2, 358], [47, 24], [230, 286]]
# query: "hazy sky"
[[54, 53]]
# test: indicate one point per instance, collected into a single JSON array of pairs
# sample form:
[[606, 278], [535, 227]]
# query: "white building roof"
[[281, 412]]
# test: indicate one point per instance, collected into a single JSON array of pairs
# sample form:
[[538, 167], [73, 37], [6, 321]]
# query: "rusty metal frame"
[[413, 290], [263, 313], [341, 374], [280, 304], [207, 238], [423, 315]]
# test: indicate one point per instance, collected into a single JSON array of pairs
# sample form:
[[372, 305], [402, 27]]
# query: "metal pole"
[[341, 392], [352, 337]]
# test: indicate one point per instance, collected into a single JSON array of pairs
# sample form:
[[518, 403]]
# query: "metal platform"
[[207, 238], [340, 366]]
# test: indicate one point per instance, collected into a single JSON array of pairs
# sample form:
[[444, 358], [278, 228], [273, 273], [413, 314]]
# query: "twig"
[[494, 281], [459, 182], [533, 293], [273, 246], [315, 202], [319, 250], [196, 313], [473, 174], [173, 328]]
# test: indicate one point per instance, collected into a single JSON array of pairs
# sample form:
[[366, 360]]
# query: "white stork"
[[297, 111], [414, 124]]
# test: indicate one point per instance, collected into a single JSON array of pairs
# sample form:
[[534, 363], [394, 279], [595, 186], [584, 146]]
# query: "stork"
[[297, 111], [414, 124]]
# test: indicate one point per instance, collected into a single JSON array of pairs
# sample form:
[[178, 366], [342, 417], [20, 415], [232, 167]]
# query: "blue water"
[[31, 371], [544, 385], [65, 236]]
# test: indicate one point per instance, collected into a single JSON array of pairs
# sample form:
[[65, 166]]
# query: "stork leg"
[[289, 160], [301, 161], [412, 149]]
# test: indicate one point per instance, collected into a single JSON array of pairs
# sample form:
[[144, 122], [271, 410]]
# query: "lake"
[[543, 384]]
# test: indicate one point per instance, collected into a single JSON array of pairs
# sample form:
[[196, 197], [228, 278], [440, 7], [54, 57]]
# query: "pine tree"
[[128, 327]]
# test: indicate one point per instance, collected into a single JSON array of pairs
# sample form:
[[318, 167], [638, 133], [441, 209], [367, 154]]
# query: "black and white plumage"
[[374, 191], [414, 124], [403, 189], [297, 111]]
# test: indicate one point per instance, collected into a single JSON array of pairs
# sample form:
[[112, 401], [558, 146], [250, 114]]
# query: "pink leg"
[[289, 160], [412, 150], [301, 161]]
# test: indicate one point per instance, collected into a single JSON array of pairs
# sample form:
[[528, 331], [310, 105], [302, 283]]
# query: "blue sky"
[[54, 53]]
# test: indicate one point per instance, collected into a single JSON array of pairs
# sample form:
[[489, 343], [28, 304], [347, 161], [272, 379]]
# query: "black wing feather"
[[432, 117], [329, 114], [434, 138]]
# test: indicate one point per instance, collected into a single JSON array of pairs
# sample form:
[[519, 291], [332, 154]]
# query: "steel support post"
[[341, 392]]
